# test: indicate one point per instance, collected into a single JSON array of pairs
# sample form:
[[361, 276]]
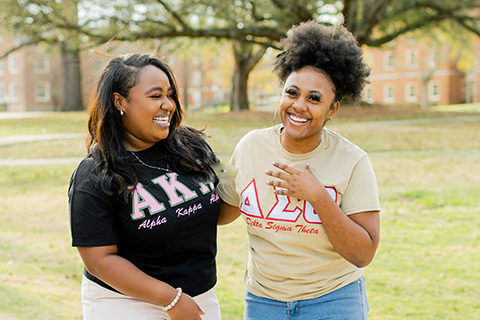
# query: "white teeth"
[[164, 119], [297, 119]]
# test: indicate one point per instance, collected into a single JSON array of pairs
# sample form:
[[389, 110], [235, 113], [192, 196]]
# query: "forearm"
[[354, 237], [125, 277]]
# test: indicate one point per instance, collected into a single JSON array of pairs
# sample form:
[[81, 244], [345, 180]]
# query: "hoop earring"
[[329, 143], [274, 117]]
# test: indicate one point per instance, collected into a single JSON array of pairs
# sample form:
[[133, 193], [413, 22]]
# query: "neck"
[[299, 146]]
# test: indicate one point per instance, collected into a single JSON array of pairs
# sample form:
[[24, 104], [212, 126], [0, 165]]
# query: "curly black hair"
[[331, 49]]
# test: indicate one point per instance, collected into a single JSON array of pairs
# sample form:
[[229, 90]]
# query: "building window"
[[197, 78], [388, 94], [411, 93], [412, 59], [2, 92], [42, 65], [12, 64], [13, 92], [42, 92], [434, 91], [368, 94], [389, 61]]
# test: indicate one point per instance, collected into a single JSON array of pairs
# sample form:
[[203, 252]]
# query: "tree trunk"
[[245, 61], [71, 97], [239, 96], [424, 104]]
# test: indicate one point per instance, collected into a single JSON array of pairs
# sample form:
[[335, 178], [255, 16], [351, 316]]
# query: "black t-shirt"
[[168, 228]]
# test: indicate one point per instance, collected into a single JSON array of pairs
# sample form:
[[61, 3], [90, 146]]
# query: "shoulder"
[[342, 145], [258, 135], [85, 173]]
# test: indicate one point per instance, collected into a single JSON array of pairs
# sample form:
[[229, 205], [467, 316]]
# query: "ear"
[[333, 110], [119, 101]]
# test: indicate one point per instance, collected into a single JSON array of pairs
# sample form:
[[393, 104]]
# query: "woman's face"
[[148, 108], [305, 106]]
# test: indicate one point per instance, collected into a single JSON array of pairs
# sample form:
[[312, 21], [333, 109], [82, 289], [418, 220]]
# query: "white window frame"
[[368, 94], [432, 95], [2, 92], [42, 68], [389, 60], [408, 57], [197, 78], [408, 90], [387, 98], [13, 93], [46, 97], [12, 64]]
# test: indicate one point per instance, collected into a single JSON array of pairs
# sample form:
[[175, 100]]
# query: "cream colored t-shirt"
[[290, 256]]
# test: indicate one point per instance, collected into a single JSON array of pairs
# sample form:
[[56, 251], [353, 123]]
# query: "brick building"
[[403, 72], [29, 79], [411, 72]]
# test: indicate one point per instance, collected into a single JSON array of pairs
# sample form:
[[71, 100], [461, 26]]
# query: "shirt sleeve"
[[92, 212], [361, 193], [226, 188]]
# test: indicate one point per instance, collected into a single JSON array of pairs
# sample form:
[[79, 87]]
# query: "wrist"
[[175, 300]]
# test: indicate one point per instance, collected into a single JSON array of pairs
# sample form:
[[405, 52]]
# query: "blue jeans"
[[346, 303]]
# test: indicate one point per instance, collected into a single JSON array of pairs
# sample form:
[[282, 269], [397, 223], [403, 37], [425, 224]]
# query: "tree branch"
[[410, 27], [176, 16]]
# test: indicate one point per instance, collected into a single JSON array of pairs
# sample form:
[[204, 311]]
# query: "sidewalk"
[[10, 140], [39, 161]]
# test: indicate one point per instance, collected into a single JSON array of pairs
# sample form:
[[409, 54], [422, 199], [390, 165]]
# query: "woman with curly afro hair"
[[308, 195]]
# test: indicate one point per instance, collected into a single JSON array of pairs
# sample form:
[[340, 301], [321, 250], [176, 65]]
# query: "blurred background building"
[[404, 72]]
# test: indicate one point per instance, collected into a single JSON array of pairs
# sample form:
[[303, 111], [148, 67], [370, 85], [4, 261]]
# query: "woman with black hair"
[[308, 195], [143, 205]]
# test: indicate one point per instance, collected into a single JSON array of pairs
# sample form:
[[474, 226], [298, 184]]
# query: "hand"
[[186, 309], [295, 183]]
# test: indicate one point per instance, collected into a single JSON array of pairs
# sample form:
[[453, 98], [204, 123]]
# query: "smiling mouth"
[[297, 119], [163, 119]]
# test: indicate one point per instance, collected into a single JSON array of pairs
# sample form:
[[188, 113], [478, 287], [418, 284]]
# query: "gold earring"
[[122, 112], [329, 143]]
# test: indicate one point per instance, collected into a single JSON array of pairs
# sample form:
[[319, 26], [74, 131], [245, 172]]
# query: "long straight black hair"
[[186, 149]]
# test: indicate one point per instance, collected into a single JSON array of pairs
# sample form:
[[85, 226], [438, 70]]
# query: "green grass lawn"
[[426, 266]]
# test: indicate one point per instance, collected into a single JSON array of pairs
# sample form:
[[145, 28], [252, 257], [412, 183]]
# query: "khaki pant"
[[99, 303]]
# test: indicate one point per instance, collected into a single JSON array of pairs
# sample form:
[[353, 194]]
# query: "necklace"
[[149, 166]]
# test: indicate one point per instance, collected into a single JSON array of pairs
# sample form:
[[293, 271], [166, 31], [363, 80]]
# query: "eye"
[[291, 92], [315, 97]]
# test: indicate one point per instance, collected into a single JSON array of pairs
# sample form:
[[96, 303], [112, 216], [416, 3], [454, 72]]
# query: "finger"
[[276, 184], [200, 310], [283, 167], [307, 168], [281, 191], [277, 174]]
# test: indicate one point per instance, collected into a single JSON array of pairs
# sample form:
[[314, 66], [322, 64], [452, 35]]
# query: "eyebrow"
[[311, 91], [157, 88]]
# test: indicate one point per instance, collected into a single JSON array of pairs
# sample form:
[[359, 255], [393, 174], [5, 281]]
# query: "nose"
[[299, 105], [167, 104]]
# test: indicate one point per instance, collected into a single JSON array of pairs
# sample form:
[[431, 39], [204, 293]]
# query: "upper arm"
[[93, 257], [370, 222], [228, 213]]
